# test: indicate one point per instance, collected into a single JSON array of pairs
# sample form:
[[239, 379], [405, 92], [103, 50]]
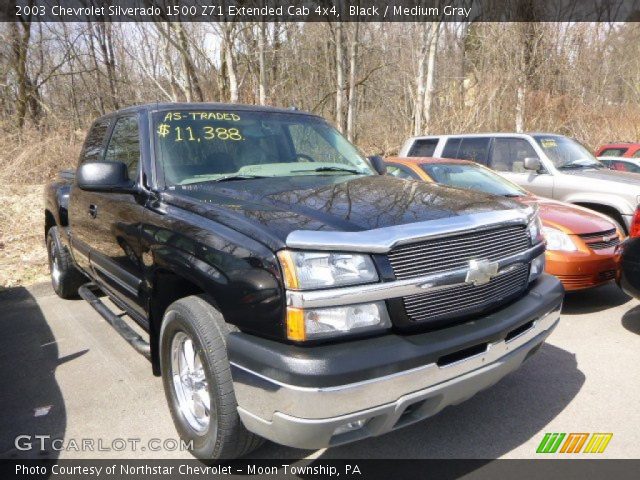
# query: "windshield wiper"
[[570, 165], [513, 195], [330, 169], [230, 178]]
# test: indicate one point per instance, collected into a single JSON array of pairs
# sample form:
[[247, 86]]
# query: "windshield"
[[215, 145], [566, 153], [472, 177]]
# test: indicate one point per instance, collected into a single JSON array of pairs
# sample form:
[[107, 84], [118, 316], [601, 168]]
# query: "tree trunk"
[[105, 41], [339, 37], [193, 85], [353, 63], [228, 59], [20, 53], [418, 104], [96, 66], [231, 73], [431, 76], [262, 68], [520, 106]]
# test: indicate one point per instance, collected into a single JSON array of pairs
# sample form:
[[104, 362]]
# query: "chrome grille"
[[449, 303], [601, 240], [454, 252]]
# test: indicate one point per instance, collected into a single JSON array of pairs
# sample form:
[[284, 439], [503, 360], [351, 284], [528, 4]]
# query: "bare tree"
[[340, 84], [21, 35], [262, 67], [353, 65], [428, 34]]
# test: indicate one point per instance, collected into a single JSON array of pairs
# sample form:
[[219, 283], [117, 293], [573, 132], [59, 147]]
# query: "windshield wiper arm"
[[579, 165], [230, 178], [330, 169]]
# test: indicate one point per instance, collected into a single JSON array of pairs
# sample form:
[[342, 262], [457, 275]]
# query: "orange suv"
[[582, 245]]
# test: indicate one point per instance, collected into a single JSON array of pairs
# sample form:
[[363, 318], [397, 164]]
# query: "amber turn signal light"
[[295, 324]]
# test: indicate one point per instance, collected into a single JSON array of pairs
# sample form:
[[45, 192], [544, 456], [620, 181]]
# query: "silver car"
[[548, 165]]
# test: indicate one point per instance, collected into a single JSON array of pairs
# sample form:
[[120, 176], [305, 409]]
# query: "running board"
[[125, 331]]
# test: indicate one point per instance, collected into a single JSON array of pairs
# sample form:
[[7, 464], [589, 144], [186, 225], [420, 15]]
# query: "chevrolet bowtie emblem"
[[481, 272]]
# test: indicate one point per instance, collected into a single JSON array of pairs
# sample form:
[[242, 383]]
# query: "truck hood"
[[278, 206], [569, 218], [604, 174]]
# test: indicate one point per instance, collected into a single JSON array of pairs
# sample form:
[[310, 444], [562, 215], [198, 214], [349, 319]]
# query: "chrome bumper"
[[308, 417]]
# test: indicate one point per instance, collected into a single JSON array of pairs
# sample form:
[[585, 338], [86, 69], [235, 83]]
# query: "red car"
[[622, 149]]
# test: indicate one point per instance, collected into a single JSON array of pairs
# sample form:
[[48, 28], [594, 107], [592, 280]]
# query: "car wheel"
[[65, 277], [197, 381]]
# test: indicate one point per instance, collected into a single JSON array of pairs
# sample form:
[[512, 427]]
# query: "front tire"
[[197, 380], [65, 277]]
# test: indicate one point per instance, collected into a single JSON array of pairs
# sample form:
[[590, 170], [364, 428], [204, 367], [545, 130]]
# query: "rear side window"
[[451, 148], [636, 154], [423, 147], [613, 152], [474, 149], [93, 149]]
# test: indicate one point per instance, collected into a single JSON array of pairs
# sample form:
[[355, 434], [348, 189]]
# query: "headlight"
[[308, 270], [315, 323], [534, 230], [557, 240]]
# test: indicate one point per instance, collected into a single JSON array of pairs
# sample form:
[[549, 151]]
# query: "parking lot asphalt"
[[64, 373]]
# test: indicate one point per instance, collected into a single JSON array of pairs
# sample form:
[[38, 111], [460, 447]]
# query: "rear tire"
[[197, 381], [65, 277]]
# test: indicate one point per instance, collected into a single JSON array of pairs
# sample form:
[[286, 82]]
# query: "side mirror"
[[377, 162], [105, 177], [532, 163]]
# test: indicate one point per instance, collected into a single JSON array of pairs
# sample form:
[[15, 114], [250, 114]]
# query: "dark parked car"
[[630, 263], [291, 290]]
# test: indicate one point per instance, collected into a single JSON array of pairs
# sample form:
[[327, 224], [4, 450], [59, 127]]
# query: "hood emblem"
[[481, 272]]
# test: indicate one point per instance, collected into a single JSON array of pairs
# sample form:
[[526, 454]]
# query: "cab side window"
[[93, 149], [508, 154], [124, 145]]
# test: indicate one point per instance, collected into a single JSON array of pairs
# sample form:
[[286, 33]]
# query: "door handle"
[[93, 210]]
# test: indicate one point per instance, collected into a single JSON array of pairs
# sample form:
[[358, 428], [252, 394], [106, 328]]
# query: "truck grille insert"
[[601, 240], [461, 300], [454, 252]]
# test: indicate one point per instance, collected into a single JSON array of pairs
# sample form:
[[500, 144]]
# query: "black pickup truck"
[[290, 289]]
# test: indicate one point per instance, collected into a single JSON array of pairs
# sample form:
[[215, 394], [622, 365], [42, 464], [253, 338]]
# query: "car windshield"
[[566, 153], [472, 177], [194, 146]]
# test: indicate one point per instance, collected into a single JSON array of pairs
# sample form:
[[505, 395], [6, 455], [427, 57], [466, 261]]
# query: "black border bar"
[[549, 469], [321, 10]]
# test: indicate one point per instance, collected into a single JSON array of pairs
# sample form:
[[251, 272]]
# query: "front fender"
[[613, 201]]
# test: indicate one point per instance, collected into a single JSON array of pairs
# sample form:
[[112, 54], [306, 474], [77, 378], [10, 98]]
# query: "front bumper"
[[581, 270], [299, 396]]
